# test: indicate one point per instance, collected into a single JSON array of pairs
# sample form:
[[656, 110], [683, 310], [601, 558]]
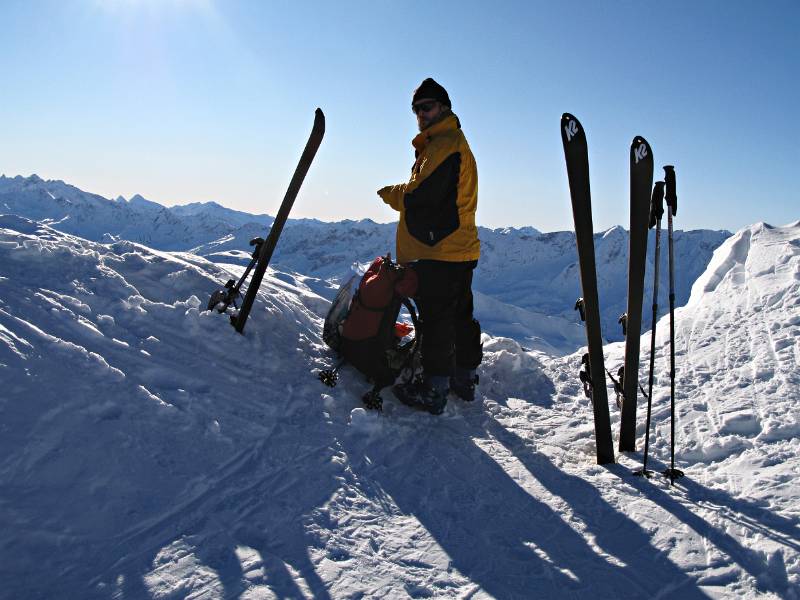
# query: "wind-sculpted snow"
[[535, 273], [150, 451], [112, 381], [742, 326]]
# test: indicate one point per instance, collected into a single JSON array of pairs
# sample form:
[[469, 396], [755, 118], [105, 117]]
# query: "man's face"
[[428, 111]]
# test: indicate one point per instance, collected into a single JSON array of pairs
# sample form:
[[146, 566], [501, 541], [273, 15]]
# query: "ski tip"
[[641, 151], [567, 117], [319, 120], [570, 127]]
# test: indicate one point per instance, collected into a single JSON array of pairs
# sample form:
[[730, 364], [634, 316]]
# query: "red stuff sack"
[[370, 338]]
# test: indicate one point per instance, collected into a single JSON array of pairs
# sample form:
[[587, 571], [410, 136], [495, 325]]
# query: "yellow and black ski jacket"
[[437, 205]]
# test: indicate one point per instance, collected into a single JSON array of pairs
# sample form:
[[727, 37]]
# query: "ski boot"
[[463, 383], [428, 394]]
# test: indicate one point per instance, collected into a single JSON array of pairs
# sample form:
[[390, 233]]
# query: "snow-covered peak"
[[523, 231], [141, 200], [234, 218], [140, 204], [19, 179], [617, 231]]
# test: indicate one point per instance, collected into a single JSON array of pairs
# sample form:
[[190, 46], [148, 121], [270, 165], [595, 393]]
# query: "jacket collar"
[[423, 137]]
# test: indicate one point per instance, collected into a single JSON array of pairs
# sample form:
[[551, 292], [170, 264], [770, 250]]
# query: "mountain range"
[[523, 271]]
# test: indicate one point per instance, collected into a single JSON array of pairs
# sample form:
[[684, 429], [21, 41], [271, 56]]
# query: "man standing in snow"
[[437, 233]]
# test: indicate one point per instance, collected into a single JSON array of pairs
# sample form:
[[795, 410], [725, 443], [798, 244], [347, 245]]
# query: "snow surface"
[[149, 451]]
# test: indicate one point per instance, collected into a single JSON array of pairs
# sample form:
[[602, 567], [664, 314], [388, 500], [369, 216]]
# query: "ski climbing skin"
[[268, 247], [576, 155], [641, 184]]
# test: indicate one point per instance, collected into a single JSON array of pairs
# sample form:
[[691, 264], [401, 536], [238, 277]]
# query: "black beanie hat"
[[430, 89]]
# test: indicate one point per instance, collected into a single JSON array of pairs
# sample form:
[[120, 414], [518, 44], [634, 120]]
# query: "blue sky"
[[193, 100]]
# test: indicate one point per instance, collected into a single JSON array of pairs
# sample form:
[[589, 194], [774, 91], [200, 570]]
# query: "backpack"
[[361, 326]]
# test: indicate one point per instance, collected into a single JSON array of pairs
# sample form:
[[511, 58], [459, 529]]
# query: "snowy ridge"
[[149, 451]]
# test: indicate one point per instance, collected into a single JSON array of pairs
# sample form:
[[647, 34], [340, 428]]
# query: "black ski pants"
[[450, 335]]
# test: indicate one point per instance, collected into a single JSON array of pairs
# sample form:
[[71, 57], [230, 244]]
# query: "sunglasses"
[[423, 107]]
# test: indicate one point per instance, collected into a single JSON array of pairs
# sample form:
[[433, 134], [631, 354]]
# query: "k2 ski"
[[641, 184], [576, 154]]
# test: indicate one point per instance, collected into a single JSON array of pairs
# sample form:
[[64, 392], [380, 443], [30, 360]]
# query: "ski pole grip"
[[623, 320], [657, 204], [671, 195], [580, 306]]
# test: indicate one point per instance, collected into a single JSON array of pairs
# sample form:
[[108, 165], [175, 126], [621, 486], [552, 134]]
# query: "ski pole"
[[656, 212], [671, 197]]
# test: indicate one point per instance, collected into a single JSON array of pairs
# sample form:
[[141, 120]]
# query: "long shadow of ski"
[[747, 514], [512, 544], [260, 508], [775, 527]]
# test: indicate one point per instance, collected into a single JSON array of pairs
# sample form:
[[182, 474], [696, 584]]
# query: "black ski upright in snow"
[[641, 170], [577, 156], [268, 247]]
